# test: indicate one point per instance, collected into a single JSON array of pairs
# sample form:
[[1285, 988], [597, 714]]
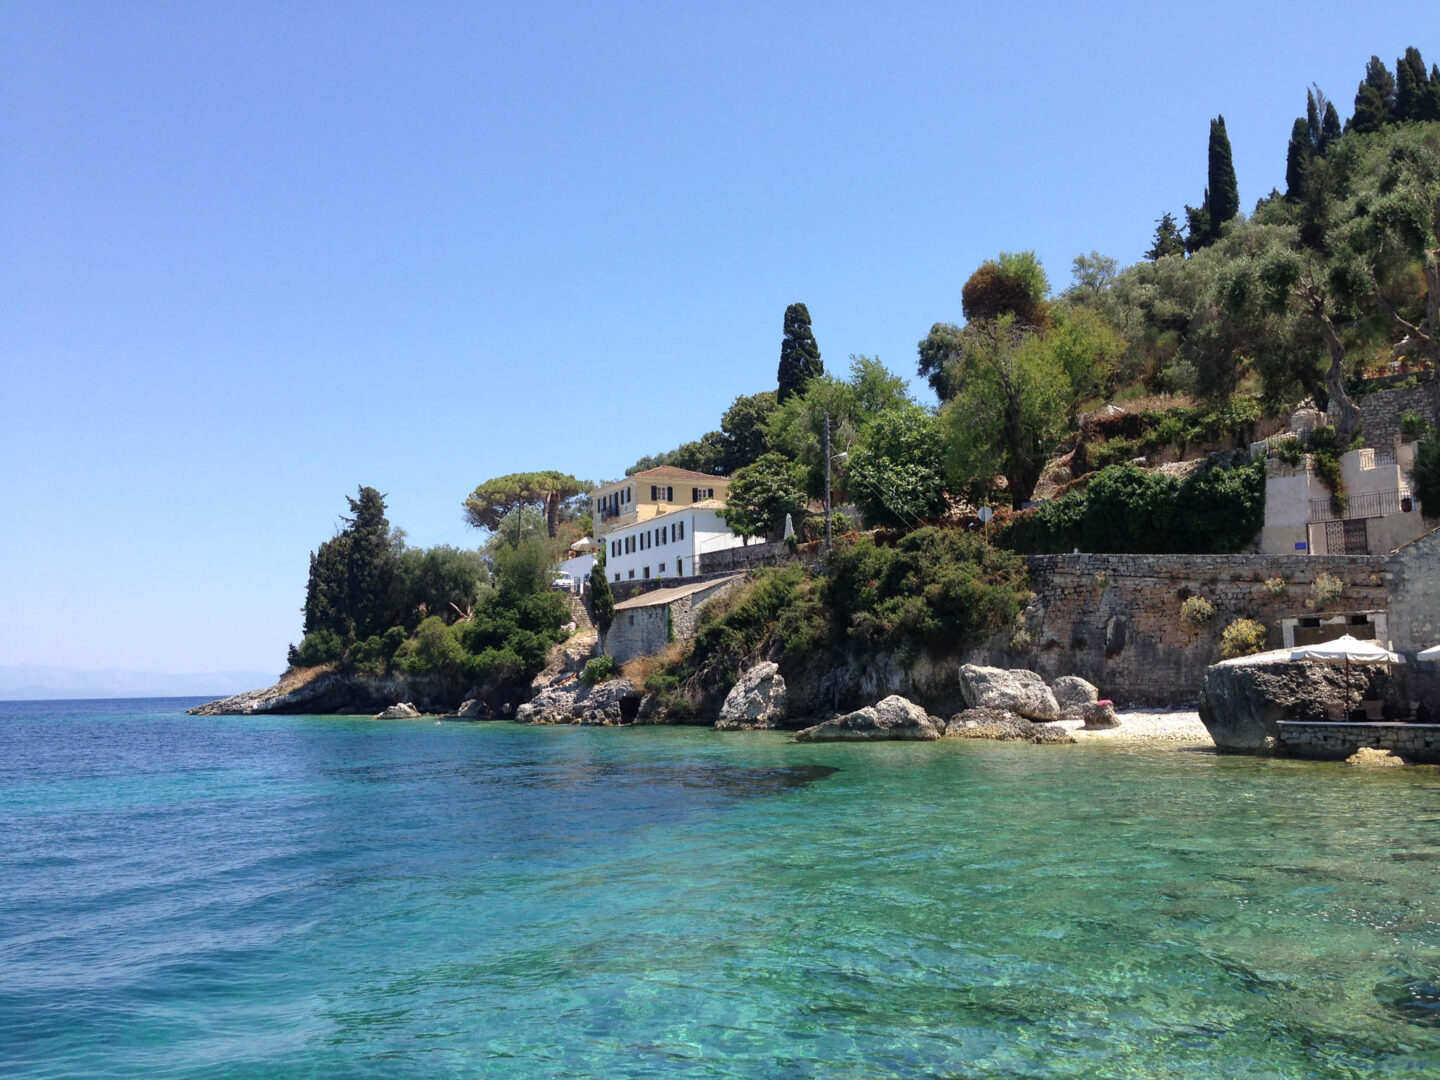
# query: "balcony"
[[1369, 504]]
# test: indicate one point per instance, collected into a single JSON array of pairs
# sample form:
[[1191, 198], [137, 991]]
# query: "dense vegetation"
[[1128, 509], [933, 589], [374, 604]]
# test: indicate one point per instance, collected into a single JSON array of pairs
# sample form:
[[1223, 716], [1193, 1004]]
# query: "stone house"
[[646, 623], [1376, 516]]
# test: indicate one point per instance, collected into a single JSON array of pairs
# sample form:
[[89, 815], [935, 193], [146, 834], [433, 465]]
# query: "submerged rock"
[[1003, 725], [893, 718], [756, 701], [400, 711], [1374, 757], [1011, 689]]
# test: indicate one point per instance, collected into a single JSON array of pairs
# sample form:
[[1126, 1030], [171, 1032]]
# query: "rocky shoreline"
[[1000, 704]]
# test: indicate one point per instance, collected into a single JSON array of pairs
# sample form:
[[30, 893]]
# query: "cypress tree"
[[368, 566], [602, 598], [1297, 159], [1330, 129], [799, 354], [1429, 104], [1411, 82], [1313, 112], [1375, 98], [1197, 225], [1224, 193]]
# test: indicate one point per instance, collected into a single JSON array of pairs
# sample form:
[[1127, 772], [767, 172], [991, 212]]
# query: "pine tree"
[[799, 354], [1297, 158], [1224, 193], [1168, 240], [1375, 98]]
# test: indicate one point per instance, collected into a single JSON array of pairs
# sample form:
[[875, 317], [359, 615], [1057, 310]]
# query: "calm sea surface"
[[326, 897]]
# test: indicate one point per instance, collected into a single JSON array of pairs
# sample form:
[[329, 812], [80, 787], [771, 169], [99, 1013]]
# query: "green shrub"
[[1326, 591], [1241, 638], [1196, 612], [598, 670], [1129, 509], [434, 650], [1425, 474], [319, 647], [1413, 426], [1276, 586]]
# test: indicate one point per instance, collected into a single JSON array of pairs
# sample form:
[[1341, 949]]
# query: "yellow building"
[[651, 493]]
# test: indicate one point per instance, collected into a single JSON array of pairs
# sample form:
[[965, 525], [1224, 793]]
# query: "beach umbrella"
[[1347, 650], [1432, 653]]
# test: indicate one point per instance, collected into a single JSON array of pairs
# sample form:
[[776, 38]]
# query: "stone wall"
[[1382, 411], [1414, 742], [1415, 616], [728, 560], [1115, 619]]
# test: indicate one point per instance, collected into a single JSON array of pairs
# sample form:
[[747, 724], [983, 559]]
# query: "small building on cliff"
[[646, 623]]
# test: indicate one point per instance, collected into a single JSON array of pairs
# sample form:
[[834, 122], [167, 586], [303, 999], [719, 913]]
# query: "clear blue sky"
[[253, 255]]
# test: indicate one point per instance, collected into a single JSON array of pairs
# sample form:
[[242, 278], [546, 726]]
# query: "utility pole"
[[827, 481]]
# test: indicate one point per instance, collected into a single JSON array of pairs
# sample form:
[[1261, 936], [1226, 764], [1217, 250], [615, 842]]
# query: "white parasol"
[[1432, 653], [1347, 650]]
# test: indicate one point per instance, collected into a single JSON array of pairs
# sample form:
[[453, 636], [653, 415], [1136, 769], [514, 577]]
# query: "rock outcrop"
[[1242, 700], [756, 701], [1073, 694], [893, 718], [1099, 715], [1010, 689], [401, 710], [1004, 726], [608, 703], [322, 692], [474, 709]]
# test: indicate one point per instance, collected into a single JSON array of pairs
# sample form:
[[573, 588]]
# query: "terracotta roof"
[[656, 597], [671, 472]]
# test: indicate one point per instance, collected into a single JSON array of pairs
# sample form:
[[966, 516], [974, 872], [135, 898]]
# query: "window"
[[662, 568], [699, 493], [681, 527], [632, 573], [647, 573], [617, 575], [615, 548], [654, 493]]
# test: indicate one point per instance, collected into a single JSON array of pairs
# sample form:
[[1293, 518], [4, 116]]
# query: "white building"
[[1377, 515], [669, 544]]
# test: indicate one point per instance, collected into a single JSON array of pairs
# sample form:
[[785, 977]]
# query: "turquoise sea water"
[[298, 896]]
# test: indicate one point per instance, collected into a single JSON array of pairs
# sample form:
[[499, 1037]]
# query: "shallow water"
[[297, 896]]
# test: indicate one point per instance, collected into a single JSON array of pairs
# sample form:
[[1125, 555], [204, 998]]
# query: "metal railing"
[[1369, 504]]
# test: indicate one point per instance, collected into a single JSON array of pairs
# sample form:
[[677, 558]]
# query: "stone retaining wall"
[[728, 560], [1381, 412], [1115, 619], [1337, 741]]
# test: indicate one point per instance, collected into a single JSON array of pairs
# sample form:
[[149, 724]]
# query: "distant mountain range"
[[32, 682]]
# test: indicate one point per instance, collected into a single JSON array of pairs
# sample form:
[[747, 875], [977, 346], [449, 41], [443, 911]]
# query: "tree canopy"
[[762, 493], [494, 500]]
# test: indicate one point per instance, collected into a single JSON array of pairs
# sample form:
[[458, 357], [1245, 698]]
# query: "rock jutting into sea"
[[756, 701], [892, 718]]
